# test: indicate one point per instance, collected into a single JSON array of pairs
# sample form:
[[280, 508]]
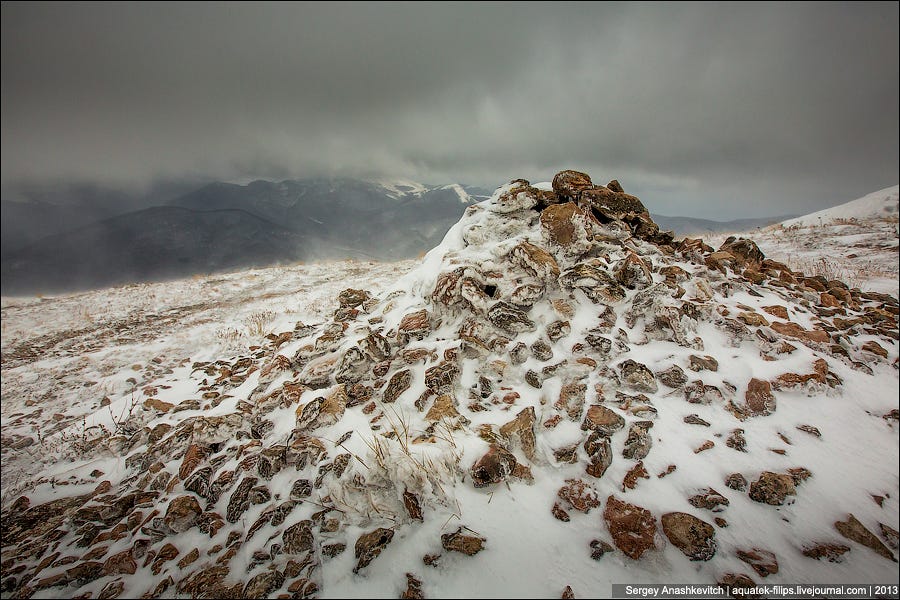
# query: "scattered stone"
[[638, 444], [182, 513], [370, 545], [298, 538], [759, 397], [638, 377], [772, 488], [694, 537], [632, 527], [703, 363], [736, 440], [673, 377], [810, 430], [558, 512], [669, 470], [466, 544], [890, 535], [507, 317], [263, 585], [828, 551], [399, 383], [695, 420], [603, 420], [413, 588], [599, 451], [736, 481], [495, 466], [579, 495], [763, 562], [855, 531], [709, 499], [631, 477]]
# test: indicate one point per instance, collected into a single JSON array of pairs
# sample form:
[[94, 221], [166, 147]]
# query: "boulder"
[[632, 527], [694, 537]]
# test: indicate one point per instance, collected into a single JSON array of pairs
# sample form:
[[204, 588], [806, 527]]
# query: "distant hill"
[[877, 204], [151, 244], [687, 226]]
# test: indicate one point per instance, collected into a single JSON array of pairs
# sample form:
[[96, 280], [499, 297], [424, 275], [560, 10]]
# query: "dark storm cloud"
[[722, 110]]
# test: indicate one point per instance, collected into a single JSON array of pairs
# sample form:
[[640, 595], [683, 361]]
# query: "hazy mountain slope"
[[883, 203], [691, 226], [154, 243], [32, 212]]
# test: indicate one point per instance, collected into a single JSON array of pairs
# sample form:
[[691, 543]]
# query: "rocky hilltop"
[[560, 397]]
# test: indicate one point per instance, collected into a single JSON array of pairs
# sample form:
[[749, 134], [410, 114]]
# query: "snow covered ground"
[[855, 242], [62, 355], [75, 362]]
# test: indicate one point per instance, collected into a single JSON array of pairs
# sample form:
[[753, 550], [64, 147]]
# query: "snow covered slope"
[[558, 397], [883, 203]]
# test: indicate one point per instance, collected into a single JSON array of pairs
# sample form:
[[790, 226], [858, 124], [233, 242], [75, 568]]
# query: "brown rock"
[[122, 563], [399, 383], [703, 363], [772, 488], [467, 544], [522, 429], [507, 317], [569, 184], [759, 397], [182, 513], [602, 419], [413, 507], [828, 551], [709, 499], [694, 537], [495, 466], [638, 443], [632, 527], [890, 535], [579, 495], [564, 224], [415, 324], [158, 405], [875, 348], [193, 456], [535, 260], [567, 593], [763, 562], [777, 311], [571, 399], [298, 538], [558, 512], [599, 451], [736, 481], [413, 588], [707, 445], [752, 318], [633, 273], [631, 477], [736, 440], [810, 430], [855, 531], [263, 585], [792, 330], [370, 545]]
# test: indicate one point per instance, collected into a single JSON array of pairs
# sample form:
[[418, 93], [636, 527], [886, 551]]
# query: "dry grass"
[[258, 323]]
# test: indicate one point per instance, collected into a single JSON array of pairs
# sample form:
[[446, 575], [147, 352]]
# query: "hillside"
[[856, 242], [558, 397], [880, 204]]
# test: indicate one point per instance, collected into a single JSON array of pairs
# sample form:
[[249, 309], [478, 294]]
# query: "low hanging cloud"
[[720, 111]]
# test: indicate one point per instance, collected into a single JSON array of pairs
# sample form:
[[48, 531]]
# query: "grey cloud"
[[716, 110]]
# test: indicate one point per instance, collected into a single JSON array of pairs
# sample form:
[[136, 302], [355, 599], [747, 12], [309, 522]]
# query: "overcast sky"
[[717, 110]]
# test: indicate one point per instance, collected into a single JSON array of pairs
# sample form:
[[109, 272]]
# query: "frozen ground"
[[178, 353]]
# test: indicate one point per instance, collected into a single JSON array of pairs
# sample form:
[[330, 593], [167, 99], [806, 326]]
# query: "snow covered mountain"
[[558, 397], [883, 203]]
